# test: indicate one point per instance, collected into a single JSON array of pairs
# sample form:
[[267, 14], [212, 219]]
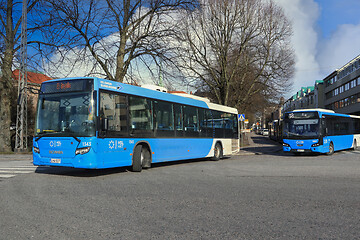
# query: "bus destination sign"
[[67, 86]]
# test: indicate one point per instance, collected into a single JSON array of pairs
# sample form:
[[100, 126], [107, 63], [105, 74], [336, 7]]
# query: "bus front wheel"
[[141, 158], [331, 149], [137, 160]]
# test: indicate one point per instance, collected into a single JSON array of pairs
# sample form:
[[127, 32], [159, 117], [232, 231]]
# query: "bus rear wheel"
[[355, 145], [331, 149], [217, 152]]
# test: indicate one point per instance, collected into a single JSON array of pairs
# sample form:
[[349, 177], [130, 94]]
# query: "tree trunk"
[[5, 117], [6, 85]]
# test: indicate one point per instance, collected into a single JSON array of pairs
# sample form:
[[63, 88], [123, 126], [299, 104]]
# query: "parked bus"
[[319, 131], [95, 123]]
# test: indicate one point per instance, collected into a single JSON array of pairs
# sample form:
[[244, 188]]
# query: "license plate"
[[301, 150], [55, 160]]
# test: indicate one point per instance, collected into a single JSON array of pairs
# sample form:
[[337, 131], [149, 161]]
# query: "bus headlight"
[[315, 145], [36, 150], [286, 145], [82, 150]]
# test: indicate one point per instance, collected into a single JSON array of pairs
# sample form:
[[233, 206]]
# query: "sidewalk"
[[259, 144], [16, 157]]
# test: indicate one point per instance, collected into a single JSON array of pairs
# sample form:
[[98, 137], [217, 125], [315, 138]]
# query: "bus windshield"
[[301, 128], [66, 114]]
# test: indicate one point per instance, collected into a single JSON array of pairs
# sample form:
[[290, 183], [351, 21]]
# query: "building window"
[[341, 89], [347, 86], [341, 103], [353, 99]]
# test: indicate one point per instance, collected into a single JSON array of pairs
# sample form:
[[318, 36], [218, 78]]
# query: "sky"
[[326, 37]]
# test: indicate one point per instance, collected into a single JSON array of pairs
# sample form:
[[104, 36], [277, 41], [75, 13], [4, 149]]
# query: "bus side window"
[[202, 122], [228, 124], [141, 118], [191, 122], [209, 124], [218, 124], [179, 120], [113, 111], [356, 126], [164, 119]]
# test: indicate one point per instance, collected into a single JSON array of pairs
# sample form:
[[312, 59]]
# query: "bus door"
[[113, 121]]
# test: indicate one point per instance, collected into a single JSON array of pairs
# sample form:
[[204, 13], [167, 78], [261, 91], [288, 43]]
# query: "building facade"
[[342, 88], [306, 97]]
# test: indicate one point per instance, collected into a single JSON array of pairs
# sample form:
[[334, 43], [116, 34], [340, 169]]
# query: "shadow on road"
[[78, 172], [263, 145]]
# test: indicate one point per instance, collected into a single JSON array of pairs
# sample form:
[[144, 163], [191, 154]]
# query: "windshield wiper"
[[50, 133], [43, 134]]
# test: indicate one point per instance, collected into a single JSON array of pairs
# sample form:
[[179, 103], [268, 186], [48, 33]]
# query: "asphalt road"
[[262, 194]]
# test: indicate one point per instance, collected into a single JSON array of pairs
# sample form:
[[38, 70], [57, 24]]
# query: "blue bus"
[[319, 131], [96, 123]]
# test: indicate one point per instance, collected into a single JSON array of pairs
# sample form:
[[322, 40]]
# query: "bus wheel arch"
[[141, 158], [218, 151], [331, 149]]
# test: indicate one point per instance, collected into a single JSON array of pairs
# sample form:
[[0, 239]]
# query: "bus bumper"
[[87, 161], [318, 149], [304, 146]]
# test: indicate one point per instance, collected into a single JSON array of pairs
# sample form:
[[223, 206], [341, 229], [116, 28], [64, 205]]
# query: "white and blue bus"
[[95, 123], [319, 131]]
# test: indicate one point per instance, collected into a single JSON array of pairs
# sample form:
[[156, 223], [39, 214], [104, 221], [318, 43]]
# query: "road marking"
[[6, 175], [12, 171], [17, 168]]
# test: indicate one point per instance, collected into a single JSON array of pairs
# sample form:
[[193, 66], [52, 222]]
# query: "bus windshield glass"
[[66, 114], [301, 126]]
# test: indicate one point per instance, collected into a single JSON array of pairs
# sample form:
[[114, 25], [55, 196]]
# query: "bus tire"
[[355, 146], [218, 152], [146, 156], [137, 159], [331, 149]]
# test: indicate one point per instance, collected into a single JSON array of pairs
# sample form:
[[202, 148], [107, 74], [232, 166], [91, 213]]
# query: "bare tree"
[[10, 22], [235, 49], [106, 36]]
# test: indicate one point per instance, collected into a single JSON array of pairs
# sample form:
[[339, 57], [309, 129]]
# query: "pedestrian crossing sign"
[[241, 117]]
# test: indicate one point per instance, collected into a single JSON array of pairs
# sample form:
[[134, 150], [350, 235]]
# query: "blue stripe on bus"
[[116, 152]]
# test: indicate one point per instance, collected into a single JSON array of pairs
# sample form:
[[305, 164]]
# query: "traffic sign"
[[241, 117]]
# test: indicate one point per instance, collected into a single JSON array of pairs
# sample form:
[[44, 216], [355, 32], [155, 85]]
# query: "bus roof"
[[313, 110], [149, 93], [324, 111]]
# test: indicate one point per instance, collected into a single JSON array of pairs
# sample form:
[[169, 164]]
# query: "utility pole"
[[21, 119]]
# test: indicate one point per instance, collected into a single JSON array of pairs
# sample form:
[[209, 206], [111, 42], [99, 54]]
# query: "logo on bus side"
[[114, 144]]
